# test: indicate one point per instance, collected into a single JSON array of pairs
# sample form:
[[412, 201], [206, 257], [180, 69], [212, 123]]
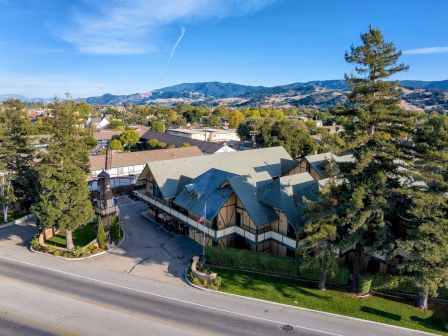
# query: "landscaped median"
[[85, 241], [384, 308]]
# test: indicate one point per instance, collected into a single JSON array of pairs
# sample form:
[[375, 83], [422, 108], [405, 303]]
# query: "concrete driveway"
[[147, 251], [18, 237]]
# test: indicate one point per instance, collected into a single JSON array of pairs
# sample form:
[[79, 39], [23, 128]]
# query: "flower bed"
[[200, 275]]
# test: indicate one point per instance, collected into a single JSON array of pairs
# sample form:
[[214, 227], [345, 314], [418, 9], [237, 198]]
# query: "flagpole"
[[205, 224]]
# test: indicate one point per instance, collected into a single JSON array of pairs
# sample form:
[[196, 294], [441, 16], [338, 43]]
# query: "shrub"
[[116, 144], [204, 282], [218, 281], [91, 249], [266, 263], [115, 233], [365, 284], [78, 251], [196, 281], [153, 143], [57, 253], [101, 235], [35, 243]]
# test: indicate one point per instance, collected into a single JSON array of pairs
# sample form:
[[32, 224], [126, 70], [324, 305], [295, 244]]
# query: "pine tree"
[[63, 200], [321, 242], [16, 154], [375, 129], [426, 244], [425, 240]]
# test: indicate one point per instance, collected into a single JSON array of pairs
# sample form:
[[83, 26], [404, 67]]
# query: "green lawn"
[[81, 236], [12, 216], [373, 308]]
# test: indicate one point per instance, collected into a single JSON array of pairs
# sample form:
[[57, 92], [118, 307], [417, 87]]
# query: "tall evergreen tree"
[[375, 129], [425, 239], [63, 200], [426, 244], [16, 154], [321, 242]]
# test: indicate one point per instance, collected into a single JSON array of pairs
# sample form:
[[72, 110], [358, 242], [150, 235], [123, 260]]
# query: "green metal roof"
[[286, 194], [245, 188], [168, 173], [205, 193]]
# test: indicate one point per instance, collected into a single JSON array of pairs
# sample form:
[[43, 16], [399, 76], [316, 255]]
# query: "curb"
[[17, 221], [84, 258], [301, 308]]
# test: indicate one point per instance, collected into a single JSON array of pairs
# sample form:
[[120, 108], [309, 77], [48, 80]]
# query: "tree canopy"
[[292, 135], [129, 138]]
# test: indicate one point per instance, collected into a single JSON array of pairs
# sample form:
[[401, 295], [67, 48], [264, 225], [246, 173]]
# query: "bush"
[[399, 284], [116, 144], [78, 251], [91, 249], [35, 243], [204, 282], [266, 263], [196, 281], [218, 281], [57, 253], [115, 233], [101, 235], [365, 284]]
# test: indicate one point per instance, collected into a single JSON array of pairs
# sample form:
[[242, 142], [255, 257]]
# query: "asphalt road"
[[41, 295]]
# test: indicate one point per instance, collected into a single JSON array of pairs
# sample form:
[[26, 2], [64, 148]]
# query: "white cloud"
[[426, 51], [133, 26], [176, 44]]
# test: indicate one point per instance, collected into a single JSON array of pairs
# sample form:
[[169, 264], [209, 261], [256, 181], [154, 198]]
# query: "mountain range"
[[429, 95]]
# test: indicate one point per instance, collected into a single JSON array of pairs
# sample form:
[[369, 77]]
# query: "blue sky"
[[92, 47]]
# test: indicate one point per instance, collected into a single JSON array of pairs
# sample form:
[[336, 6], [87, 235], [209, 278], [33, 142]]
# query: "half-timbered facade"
[[224, 199]]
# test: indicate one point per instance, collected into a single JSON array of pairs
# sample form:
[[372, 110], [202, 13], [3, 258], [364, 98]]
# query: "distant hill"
[[23, 98], [428, 95]]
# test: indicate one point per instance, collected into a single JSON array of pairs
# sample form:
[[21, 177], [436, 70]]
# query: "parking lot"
[[148, 250]]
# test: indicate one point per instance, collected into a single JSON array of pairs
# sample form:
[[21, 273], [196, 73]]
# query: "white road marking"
[[167, 297]]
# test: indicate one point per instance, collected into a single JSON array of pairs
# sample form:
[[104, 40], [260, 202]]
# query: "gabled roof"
[[142, 157], [288, 165], [318, 161], [205, 193], [178, 141], [245, 188], [286, 194], [111, 134], [168, 173]]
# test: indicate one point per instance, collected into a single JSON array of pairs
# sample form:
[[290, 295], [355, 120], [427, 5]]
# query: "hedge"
[[270, 264], [399, 284]]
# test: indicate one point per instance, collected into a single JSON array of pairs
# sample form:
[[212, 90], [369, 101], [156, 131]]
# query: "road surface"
[[42, 295]]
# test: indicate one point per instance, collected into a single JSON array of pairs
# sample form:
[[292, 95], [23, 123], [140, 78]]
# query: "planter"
[[209, 278], [50, 249]]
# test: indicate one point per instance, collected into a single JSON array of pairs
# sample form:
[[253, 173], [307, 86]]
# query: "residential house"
[[178, 141], [97, 122], [103, 137], [127, 166], [206, 134]]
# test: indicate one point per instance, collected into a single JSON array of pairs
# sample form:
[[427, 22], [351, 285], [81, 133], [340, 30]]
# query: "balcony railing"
[[219, 234]]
